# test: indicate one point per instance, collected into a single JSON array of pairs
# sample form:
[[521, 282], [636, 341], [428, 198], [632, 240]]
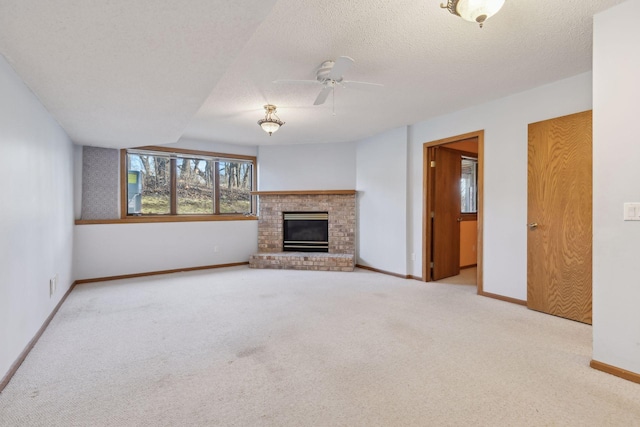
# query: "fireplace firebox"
[[306, 231]]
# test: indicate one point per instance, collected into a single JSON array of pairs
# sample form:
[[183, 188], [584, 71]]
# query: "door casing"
[[427, 185]]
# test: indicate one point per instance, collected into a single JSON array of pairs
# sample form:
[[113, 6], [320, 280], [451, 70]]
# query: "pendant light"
[[270, 124], [473, 10]]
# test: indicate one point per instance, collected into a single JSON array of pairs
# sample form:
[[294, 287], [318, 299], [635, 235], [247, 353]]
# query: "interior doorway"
[[443, 201]]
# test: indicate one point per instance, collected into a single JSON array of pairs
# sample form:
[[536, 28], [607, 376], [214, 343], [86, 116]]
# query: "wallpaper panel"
[[100, 183]]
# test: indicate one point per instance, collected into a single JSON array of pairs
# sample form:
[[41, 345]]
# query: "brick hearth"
[[341, 206]]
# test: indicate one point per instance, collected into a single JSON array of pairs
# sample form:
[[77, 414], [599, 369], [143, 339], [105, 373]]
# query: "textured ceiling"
[[121, 73]]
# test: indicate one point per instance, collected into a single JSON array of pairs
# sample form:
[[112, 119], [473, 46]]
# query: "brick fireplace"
[[341, 208]]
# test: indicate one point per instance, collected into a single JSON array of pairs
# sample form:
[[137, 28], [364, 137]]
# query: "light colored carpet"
[[467, 276], [242, 347]]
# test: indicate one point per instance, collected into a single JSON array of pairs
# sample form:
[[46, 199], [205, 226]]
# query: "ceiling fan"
[[329, 75]]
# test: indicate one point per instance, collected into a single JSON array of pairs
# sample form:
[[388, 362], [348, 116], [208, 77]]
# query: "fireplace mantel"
[[304, 192]]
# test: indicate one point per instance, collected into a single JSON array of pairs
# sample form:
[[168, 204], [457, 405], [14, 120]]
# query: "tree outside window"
[[177, 183]]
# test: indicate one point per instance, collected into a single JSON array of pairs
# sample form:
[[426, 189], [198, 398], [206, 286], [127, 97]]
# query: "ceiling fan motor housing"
[[322, 75]]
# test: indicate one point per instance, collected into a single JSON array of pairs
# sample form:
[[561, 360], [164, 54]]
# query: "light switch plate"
[[632, 211]]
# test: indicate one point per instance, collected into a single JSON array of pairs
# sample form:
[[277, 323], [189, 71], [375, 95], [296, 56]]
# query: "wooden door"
[[559, 236], [446, 213]]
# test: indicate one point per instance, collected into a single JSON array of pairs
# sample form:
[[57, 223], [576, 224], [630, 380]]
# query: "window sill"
[[167, 218]]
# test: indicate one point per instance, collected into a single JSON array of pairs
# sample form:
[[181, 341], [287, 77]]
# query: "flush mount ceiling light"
[[270, 124], [473, 10]]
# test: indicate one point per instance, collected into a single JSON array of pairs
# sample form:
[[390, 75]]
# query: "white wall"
[[381, 181], [115, 249], [505, 173], [36, 219], [616, 177], [307, 167]]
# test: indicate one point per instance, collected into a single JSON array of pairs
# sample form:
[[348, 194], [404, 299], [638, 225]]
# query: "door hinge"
[[432, 265], [433, 214], [433, 163]]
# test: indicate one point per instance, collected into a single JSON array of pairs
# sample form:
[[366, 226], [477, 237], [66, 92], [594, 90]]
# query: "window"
[[186, 182], [469, 185]]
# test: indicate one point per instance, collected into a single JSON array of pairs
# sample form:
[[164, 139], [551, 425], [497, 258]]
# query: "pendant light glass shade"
[[269, 127], [474, 10]]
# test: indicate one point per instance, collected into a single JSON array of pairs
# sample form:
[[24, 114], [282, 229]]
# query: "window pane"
[[148, 182], [195, 186], [468, 185], [202, 185], [235, 187]]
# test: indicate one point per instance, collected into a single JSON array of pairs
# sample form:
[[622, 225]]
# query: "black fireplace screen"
[[306, 231]]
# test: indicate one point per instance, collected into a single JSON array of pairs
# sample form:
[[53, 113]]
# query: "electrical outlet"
[[413, 256], [215, 249]]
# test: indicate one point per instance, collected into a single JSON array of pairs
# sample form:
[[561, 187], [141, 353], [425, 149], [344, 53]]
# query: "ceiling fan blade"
[[359, 85], [322, 96], [341, 65], [297, 82]]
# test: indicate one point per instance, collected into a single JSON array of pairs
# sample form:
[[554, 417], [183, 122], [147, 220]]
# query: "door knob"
[[460, 219], [532, 225]]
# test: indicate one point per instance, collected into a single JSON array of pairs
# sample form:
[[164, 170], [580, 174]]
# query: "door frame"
[[427, 232]]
